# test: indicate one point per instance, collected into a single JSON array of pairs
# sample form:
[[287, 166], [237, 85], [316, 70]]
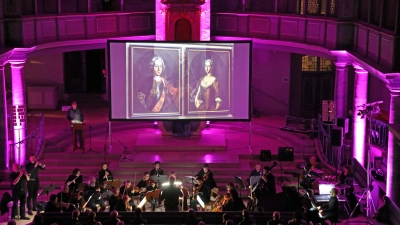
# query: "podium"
[[78, 129]]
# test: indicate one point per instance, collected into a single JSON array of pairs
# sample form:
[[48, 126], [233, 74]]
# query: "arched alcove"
[[183, 30]]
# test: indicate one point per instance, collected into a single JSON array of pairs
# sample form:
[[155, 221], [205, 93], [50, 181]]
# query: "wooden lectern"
[[76, 128]]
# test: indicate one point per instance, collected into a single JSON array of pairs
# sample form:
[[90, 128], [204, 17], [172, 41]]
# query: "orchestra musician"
[[74, 180], [33, 167], [202, 191], [157, 170], [52, 205], [347, 172], [207, 176], [256, 172], [171, 195], [129, 190], [309, 172], [173, 174], [330, 210], [114, 198], [266, 184], [90, 187], [64, 197], [124, 204], [237, 201], [105, 174], [18, 179], [146, 185]]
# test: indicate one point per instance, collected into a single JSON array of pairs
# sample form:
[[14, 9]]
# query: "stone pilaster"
[[359, 123]]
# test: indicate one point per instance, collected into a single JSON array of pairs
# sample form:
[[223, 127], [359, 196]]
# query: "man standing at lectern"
[[75, 115]]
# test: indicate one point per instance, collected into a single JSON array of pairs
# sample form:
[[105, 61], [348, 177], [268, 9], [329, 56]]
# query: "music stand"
[[159, 178], [241, 184], [190, 180], [47, 191], [111, 184], [107, 194]]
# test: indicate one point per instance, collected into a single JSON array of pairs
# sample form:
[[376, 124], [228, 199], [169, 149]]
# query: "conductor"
[[171, 195]]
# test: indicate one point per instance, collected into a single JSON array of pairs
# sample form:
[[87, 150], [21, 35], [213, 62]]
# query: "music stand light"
[[159, 178]]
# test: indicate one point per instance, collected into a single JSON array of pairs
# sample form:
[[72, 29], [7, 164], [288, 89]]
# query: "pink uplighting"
[[394, 94], [359, 124], [19, 115], [208, 158], [160, 18]]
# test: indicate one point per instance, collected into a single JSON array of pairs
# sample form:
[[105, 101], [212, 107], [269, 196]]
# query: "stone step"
[[79, 156], [182, 164]]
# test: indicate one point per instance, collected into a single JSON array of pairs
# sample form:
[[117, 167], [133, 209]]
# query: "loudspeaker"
[[285, 153], [337, 136], [265, 155], [343, 122]]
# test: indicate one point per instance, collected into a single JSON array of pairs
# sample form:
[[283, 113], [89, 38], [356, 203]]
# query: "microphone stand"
[[126, 151], [90, 139]]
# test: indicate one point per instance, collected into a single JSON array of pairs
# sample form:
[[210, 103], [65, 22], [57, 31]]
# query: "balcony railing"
[[333, 155], [33, 142], [379, 134]]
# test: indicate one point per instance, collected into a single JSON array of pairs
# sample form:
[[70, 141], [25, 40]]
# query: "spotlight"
[[207, 123], [155, 124]]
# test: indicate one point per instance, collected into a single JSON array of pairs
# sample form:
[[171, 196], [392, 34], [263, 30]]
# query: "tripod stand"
[[282, 178], [90, 139], [368, 110], [125, 152]]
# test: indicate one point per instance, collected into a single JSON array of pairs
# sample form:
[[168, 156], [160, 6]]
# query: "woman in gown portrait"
[[156, 94], [206, 94]]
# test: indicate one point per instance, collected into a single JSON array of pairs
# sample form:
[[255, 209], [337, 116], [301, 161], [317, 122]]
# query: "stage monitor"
[[179, 81]]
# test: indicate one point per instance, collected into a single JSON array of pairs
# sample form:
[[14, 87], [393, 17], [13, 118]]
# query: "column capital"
[[358, 68], [393, 84], [18, 55]]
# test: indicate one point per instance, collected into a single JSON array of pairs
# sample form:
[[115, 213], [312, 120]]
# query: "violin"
[[197, 189], [205, 176]]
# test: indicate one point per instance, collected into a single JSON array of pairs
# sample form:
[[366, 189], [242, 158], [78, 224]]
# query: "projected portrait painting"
[[156, 80], [209, 76]]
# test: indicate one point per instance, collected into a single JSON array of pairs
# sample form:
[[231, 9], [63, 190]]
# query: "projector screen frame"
[[249, 89]]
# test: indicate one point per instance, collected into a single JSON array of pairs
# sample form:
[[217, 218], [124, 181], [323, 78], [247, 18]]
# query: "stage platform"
[[156, 142]]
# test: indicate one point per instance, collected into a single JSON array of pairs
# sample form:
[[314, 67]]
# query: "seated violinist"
[[52, 205], [227, 203], [94, 199], [114, 198], [202, 191], [207, 176], [146, 185], [127, 188], [105, 174]]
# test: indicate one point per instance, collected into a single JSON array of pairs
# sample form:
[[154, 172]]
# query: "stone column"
[[4, 148], [19, 119], [359, 124], [341, 86], [393, 169]]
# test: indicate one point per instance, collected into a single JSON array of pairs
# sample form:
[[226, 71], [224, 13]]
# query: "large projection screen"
[[179, 81]]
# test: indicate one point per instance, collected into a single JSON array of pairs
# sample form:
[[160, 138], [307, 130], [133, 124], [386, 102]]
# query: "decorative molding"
[[289, 28], [259, 25], [106, 24], [225, 21], [139, 23]]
